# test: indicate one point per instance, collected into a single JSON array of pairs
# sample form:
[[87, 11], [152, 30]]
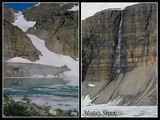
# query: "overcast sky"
[[89, 9]]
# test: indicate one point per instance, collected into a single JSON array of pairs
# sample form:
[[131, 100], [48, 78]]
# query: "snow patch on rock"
[[19, 59], [37, 4], [74, 8], [21, 22], [85, 100], [91, 85]]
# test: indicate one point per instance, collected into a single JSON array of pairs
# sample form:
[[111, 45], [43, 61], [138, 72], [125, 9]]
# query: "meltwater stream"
[[118, 58]]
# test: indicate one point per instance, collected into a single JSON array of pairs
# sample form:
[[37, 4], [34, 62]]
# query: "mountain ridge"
[[20, 21]]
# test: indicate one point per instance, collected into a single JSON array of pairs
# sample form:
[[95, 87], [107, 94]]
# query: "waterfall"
[[118, 58]]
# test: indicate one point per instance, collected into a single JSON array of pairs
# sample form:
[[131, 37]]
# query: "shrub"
[[13, 108], [26, 99]]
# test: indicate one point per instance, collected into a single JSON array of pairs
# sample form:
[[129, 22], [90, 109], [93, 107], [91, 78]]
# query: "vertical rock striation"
[[139, 32], [99, 42]]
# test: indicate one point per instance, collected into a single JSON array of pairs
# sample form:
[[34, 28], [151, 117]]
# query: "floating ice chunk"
[[37, 76]]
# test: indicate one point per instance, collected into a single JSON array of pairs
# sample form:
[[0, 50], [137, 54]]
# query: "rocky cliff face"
[[139, 31], [18, 44], [9, 14], [57, 26], [99, 38], [36, 12], [137, 55]]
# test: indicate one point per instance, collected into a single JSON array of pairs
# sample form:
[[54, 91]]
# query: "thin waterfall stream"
[[118, 58]]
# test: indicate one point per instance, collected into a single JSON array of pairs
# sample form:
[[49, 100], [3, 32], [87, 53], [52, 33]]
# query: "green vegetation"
[[26, 99], [25, 108], [64, 113], [12, 108]]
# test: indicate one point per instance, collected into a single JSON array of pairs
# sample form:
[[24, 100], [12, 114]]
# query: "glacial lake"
[[56, 92]]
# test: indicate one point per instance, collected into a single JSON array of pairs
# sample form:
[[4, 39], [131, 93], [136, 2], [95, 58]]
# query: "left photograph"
[[40, 59]]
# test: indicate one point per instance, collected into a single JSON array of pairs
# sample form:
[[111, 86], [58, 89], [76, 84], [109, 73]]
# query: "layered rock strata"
[[136, 83], [100, 39], [57, 26], [18, 44]]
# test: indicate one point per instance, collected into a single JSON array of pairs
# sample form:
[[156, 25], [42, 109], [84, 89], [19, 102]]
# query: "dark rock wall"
[[100, 39], [139, 30]]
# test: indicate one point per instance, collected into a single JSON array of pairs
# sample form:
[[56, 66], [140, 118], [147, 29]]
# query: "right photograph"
[[119, 59]]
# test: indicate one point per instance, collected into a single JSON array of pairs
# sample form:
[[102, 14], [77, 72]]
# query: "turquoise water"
[[55, 92], [62, 91]]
